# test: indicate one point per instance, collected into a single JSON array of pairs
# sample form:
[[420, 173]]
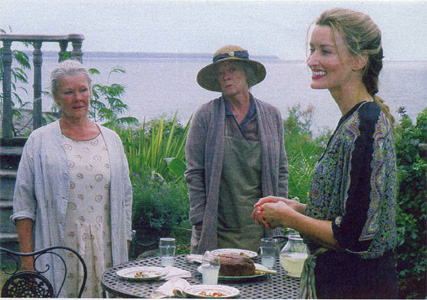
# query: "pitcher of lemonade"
[[293, 255]]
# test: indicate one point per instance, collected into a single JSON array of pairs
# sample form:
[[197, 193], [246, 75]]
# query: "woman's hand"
[[257, 214], [275, 211], [295, 205], [277, 214]]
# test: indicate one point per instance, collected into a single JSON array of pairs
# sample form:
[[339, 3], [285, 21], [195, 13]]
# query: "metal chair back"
[[34, 284]]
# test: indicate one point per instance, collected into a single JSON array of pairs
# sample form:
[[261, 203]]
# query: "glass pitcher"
[[293, 255]]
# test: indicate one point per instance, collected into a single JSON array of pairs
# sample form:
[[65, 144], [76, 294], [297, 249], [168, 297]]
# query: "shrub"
[[411, 206], [302, 150], [158, 208]]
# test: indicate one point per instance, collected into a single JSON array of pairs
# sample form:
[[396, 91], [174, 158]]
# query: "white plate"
[[238, 278], [250, 254], [208, 291], [142, 273]]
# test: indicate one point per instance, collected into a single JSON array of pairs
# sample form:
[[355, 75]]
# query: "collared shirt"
[[247, 129]]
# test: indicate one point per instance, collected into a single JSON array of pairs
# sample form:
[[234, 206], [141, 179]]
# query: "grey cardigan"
[[43, 183], [204, 155]]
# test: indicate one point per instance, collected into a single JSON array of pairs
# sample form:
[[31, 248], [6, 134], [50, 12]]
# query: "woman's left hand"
[[257, 214], [276, 214]]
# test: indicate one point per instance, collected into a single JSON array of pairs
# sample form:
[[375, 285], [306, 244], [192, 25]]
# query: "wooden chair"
[[34, 284]]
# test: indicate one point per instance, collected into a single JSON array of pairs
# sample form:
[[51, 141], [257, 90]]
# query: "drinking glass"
[[268, 249], [167, 251], [210, 268]]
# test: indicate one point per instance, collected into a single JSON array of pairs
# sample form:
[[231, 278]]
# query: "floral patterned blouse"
[[354, 183], [88, 212]]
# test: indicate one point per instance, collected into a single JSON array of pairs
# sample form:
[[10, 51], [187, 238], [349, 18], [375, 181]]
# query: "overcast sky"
[[262, 27]]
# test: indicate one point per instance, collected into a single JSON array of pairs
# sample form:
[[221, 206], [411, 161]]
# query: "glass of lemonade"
[[293, 255], [167, 251], [268, 250], [293, 263], [210, 268]]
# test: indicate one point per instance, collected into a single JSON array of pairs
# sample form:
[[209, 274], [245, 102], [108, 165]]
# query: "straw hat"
[[206, 77]]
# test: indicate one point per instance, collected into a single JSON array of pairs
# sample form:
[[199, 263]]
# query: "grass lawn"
[[3, 278]]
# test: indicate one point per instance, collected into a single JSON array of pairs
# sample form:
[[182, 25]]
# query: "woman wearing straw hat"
[[235, 154]]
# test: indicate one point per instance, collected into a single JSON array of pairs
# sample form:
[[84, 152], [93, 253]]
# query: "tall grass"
[[301, 162], [149, 146]]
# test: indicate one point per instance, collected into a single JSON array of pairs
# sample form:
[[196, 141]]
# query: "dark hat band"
[[240, 54]]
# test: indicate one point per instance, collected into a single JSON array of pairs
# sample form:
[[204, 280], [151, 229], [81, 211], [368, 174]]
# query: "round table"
[[279, 286]]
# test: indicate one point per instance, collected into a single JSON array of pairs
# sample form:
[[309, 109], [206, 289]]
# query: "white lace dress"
[[88, 213]]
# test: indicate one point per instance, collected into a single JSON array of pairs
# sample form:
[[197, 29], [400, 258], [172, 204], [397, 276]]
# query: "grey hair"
[[67, 68], [250, 74]]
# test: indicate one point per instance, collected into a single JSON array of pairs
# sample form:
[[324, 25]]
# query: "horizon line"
[[195, 55]]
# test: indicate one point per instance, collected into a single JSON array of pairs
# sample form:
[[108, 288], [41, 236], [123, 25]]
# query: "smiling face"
[[330, 61], [73, 96], [232, 78]]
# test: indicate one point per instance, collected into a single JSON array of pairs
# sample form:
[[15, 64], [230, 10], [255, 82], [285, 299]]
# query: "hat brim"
[[206, 77]]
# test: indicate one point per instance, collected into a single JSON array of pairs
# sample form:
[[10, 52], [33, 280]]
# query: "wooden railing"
[[37, 41]]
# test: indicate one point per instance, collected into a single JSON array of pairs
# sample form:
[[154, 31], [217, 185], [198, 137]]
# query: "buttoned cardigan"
[[43, 185], [204, 156]]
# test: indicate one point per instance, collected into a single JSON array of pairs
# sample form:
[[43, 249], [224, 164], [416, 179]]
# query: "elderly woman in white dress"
[[73, 187]]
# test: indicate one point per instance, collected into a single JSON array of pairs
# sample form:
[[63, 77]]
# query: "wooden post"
[[76, 42], [37, 105], [7, 89]]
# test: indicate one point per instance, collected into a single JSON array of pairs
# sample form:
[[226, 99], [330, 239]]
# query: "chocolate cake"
[[236, 265]]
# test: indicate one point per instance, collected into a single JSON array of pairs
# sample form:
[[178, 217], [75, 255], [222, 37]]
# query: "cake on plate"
[[236, 265]]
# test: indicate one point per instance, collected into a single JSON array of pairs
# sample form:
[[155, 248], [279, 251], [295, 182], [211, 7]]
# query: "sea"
[[162, 84]]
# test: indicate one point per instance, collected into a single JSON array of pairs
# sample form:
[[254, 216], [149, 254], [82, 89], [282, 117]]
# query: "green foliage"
[[158, 204], [302, 150], [299, 122], [106, 104], [148, 146], [155, 155], [159, 207], [177, 166], [411, 206]]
